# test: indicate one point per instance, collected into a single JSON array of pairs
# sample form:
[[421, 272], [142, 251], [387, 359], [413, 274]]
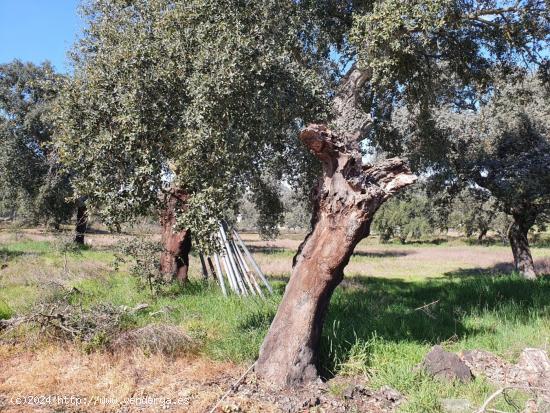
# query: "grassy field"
[[374, 330]]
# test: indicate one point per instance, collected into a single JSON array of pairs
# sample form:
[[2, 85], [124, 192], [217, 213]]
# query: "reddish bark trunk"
[[346, 200], [81, 223], [174, 260], [517, 234]]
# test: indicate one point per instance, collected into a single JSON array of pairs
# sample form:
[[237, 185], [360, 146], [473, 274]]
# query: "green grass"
[[372, 327], [230, 328], [5, 310]]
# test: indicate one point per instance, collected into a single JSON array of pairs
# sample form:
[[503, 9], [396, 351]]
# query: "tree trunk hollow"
[[174, 259], [345, 201]]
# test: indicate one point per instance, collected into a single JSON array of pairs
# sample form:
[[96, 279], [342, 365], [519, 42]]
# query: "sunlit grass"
[[373, 328]]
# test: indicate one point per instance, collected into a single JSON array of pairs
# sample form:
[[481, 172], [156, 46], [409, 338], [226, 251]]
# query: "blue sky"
[[38, 30]]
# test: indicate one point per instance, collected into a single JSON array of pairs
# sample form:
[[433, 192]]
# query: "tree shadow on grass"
[[382, 254], [434, 241], [499, 268], [542, 266], [269, 250], [391, 310], [8, 255]]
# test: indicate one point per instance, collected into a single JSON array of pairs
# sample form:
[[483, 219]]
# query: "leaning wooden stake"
[[203, 265], [232, 262], [253, 262], [219, 274], [210, 266], [232, 281], [240, 267], [227, 267], [246, 269]]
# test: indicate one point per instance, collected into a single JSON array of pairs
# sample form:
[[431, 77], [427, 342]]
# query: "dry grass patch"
[[157, 339], [57, 370]]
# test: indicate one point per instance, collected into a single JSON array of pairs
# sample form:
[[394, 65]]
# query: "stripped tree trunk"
[[174, 260], [81, 222], [517, 234], [345, 201]]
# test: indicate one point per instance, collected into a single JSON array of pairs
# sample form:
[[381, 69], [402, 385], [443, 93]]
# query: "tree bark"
[[482, 234], [81, 223], [517, 234], [345, 200], [174, 260]]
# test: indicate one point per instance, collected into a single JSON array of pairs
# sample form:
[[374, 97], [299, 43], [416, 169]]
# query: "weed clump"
[[143, 257], [93, 327]]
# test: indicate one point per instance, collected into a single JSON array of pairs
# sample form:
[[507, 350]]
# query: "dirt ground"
[[409, 261]]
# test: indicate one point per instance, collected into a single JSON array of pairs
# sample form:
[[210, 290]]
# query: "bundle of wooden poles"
[[234, 264]]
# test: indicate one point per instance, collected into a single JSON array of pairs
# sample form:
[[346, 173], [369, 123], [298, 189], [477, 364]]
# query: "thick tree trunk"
[[174, 260], [81, 223], [517, 234], [345, 202]]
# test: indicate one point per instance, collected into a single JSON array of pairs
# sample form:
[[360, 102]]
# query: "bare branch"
[[485, 405]]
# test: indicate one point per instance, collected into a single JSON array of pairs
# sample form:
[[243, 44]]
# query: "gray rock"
[[543, 407], [390, 394], [456, 405], [532, 368], [486, 364], [445, 365]]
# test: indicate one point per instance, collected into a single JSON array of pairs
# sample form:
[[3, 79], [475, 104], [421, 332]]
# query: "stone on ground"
[[456, 405], [445, 365]]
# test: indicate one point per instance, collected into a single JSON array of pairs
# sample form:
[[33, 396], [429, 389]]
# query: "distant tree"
[[499, 145], [408, 215], [475, 210], [297, 215], [513, 162], [32, 180], [248, 215]]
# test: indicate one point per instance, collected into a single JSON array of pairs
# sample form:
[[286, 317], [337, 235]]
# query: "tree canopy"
[[31, 181], [183, 92], [500, 146], [209, 95]]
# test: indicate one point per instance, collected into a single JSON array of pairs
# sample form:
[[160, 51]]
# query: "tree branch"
[[349, 117], [339, 154]]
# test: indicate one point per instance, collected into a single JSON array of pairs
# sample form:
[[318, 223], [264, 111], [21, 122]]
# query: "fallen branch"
[[11, 322], [421, 308], [483, 408], [426, 309], [233, 387]]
